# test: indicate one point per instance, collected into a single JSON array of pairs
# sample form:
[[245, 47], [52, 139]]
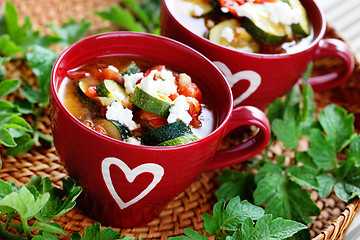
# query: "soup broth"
[[137, 101], [208, 25]]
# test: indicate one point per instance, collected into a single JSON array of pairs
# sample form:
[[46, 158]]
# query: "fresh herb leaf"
[[94, 232], [190, 235], [354, 150], [268, 228], [8, 86]]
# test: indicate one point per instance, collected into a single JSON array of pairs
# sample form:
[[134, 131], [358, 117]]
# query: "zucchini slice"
[[110, 89], [188, 138], [303, 27], [132, 69], [200, 8], [115, 129], [165, 133], [105, 101], [240, 39], [83, 86], [150, 103]]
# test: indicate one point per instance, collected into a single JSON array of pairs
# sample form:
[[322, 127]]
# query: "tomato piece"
[[100, 129], [230, 4], [76, 75], [91, 92], [173, 96], [158, 67], [191, 90], [194, 111], [154, 120], [110, 74]]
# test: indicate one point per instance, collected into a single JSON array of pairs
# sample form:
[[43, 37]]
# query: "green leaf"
[[24, 107], [305, 176], [234, 184], [6, 139], [348, 181], [282, 198], [267, 228], [71, 31], [6, 107], [30, 93], [8, 47], [24, 202], [41, 60], [45, 236], [47, 227], [23, 144], [229, 217], [288, 129], [354, 150], [94, 232], [8, 86], [275, 110], [14, 121], [326, 185], [321, 150], [61, 201], [338, 125], [190, 235], [269, 167], [122, 17]]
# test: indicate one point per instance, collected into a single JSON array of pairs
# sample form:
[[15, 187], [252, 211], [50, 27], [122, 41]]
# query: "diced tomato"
[[110, 74], [158, 67], [126, 104], [191, 90], [230, 4], [154, 120], [194, 111], [76, 75], [91, 92], [103, 110], [100, 129], [173, 96]]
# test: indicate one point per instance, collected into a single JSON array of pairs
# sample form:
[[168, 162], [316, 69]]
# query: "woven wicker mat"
[[186, 210]]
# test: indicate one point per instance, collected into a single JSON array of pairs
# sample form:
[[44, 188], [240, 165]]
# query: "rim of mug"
[[54, 90], [313, 43]]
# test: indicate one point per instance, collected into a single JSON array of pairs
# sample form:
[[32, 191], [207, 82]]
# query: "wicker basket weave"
[[186, 210]]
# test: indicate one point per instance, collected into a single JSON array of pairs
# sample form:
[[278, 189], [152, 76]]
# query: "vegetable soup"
[[253, 26], [137, 101]]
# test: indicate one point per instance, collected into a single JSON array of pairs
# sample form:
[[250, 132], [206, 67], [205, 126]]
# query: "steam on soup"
[[254, 26], [136, 102]]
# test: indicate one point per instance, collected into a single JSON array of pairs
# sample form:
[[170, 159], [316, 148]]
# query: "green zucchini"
[[264, 30], [110, 89], [242, 39], [132, 69], [83, 86], [303, 27], [150, 103], [165, 133], [188, 138], [115, 129], [203, 7], [105, 101]]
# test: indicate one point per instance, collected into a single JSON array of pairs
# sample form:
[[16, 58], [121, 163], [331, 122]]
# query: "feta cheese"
[[117, 112], [130, 81], [281, 12], [162, 82], [111, 67], [180, 111], [228, 34], [133, 140], [197, 10]]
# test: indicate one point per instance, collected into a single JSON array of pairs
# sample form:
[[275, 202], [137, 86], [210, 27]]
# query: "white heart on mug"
[[155, 169], [253, 77]]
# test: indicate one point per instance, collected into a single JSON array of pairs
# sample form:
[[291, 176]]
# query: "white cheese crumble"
[[156, 82], [180, 111], [130, 81], [117, 112], [198, 11], [281, 12], [228, 34], [276, 12], [133, 140], [111, 67]]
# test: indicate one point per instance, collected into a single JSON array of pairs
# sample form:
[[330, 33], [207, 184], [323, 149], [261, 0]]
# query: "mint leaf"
[[354, 150], [8, 86], [45, 236], [326, 185], [268, 228], [282, 198], [338, 125], [122, 17], [190, 235], [94, 232], [71, 31], [23, 144], [41, 60], [269, 167], [288, 129], [234, 184], [47, 227], [305, 176], [8, 47], [6, 139], [348, 181], [230, 216], [321, 150]]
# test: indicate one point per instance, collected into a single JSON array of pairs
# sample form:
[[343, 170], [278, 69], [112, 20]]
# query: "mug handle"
[[332, 47], [242, 116]]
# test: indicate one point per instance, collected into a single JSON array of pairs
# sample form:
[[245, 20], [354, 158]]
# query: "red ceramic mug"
[[128, 185], [258, 79]]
